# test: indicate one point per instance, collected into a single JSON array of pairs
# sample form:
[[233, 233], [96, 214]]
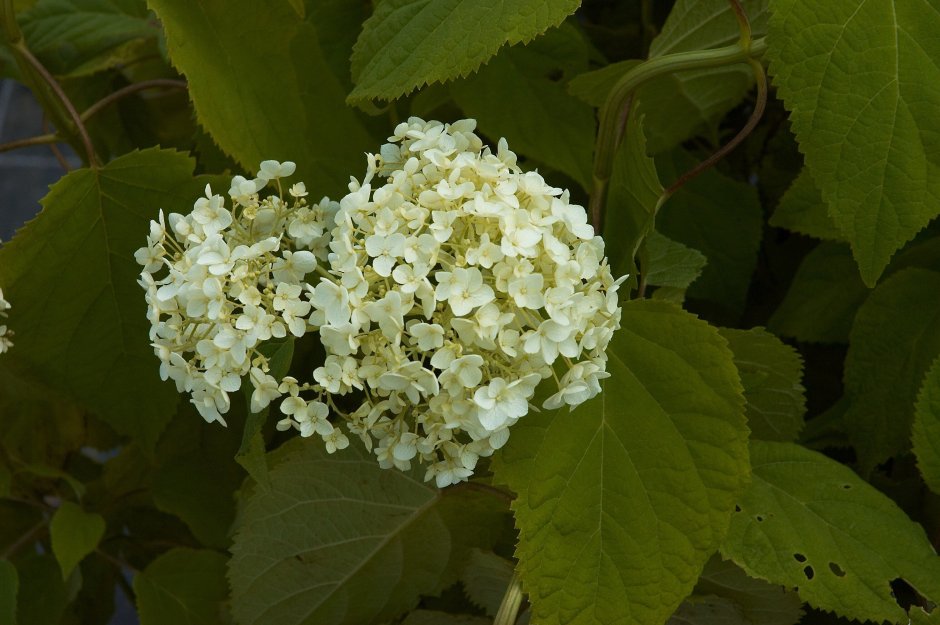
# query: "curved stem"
[[64, 99], [56, 152], [748, 128], [613, 121], [108, 100], [24, 143]]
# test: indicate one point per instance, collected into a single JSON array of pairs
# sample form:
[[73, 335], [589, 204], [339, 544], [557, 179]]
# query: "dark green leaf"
[[262, 88], [80, 37], [622, 500], [9, 586], [407, 44], [75, 534], [88, 336], [807, 521], [823, 298], [671, 263], [485, 579], [719, 217], [390, 538], [433, 617], [556, 128], [757, 601], [894, 340], [43, 595], [182, 587], [802, 209], [926, 438], [771, 373], [858, 78]]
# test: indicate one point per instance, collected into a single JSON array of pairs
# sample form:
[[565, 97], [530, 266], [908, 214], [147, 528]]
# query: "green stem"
[[615, 111], [512, 600]]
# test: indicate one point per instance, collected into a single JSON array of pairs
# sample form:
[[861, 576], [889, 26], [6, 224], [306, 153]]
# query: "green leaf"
[[894, 340], [926, 437], [184, 587], [43, 595], [250, 453], [631, 203], [390, 538], [823, 298], [684, 104], [807, 521], [721, 218], [485, 579], [9, 586], [802, 209], [75, 534], [80, 37], [756, 601], [770, 372], [557, 129], [671, 263], [79, 313], [262, 88], [858, 79], [622, 500], [407, 44]]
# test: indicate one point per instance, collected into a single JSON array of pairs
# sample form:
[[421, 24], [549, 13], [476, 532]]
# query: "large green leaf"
[[807, 521], [536, 90], [771, 373], [622, 500], [79, 37], [823, 298], [182, 587], [681, 105], [262, 88], [78, 312], [407, 44], [75, 534], [721, 218], [895, 338], [926, 437], [338, 540], [859, 79], [802, 209]]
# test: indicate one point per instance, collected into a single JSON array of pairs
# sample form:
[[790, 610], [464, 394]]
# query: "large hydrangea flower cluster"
[[5, 333], [220, 281], [445, 287]]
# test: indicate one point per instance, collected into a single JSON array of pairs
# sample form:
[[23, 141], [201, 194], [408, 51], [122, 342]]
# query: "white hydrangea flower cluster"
[[455, 288], [221, 281], [5, 333]]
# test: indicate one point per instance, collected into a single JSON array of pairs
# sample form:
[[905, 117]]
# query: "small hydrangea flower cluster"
[[5, 333], [222, 281], [444, 296], [458, 286]]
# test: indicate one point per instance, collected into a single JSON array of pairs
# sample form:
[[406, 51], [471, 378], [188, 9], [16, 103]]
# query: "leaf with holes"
[[262, 87], [407, 44], [88, 337], [807, 521], [390, 538], [859, 79], [894, 340], [771, 373], [622, 500], [926, 437]]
